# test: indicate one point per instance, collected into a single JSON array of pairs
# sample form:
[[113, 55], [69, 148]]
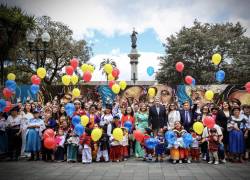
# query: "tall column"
[[134, 55]]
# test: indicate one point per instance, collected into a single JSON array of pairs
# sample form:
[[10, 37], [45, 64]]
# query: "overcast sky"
[[107, 24]]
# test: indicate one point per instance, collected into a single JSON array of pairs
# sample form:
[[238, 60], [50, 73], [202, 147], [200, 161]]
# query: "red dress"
[[128, 118]]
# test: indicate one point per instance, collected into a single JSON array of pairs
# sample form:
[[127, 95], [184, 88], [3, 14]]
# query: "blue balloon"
[[151, 143], [70, 109], [150, 70], [76, 120], [193, 82], [128, 125], [2, 104], [187, 140], [220, 75], [10, 84], [34, 89], [170, 137], [79, 129]]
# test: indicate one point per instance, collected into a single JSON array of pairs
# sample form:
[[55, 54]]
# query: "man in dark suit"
[[157, 116], [186, 116]]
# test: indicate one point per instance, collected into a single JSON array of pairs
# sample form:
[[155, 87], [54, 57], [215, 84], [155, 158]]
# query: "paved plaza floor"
[[131, 169]]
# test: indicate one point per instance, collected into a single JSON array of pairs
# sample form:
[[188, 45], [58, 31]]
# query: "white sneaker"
[[210, 162], [188, 161], [216, 162], [174, 161], [180, 161], [223, 161]]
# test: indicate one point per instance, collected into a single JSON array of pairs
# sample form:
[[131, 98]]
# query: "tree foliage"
[[61, 48], [195, 46], [13, 26]]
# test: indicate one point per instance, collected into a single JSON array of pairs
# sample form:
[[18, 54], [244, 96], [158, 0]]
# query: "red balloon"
[[69, 70], [35, 80], [111, 83], [209, 121], [74, 63], [48, 133], [8, 106], [188, 79], [247, 86], [115, 72], [7, 93], [179, 66], [87, 76], [138, 135], [50, 143]]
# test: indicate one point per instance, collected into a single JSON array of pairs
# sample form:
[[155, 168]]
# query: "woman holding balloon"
[[141, 122]]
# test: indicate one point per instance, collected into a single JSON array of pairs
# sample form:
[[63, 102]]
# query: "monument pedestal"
[[134, 55]]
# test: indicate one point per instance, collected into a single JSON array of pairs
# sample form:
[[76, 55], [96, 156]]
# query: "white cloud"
[[115, 51], [120, 16], [122, 60]]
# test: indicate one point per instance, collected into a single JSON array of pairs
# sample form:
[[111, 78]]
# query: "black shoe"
[[156, 160]]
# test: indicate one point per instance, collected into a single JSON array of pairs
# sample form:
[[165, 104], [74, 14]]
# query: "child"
[[115, 150], [125, 146], [72, 147], [195, 150], [148, 155], [178, 152], [103, 147], [60, 140], [33, 140], [86, 147], [213, 146], [160, 148]]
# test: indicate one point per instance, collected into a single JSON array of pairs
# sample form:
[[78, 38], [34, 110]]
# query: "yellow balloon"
[[96, 134], [76, 92], [84, 67], [111, 77], [151, 92], [216, 59], [84, 120], [209, 95], [198, 127], [66, 80], [118, 134], [108, 68], [123, 85], [11, 76], [91, 68], [74, 79], [41, 72], [116, 88]]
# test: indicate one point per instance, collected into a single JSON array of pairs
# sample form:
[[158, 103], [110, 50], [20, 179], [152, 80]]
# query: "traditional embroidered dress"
[[59, 154], [72, 148]]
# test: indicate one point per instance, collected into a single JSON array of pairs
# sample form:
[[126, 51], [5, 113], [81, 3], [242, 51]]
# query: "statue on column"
[[133, 39]]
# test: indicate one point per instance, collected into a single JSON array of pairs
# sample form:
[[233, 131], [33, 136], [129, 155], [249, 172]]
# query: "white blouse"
[[173, 116], [14, 121]]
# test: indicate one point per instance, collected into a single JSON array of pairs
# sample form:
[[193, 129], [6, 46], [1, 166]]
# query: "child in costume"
[[160, 147], [103, 145], [85, 141], [60, 140], [125, 145], [213, 146], [148, 155], [195, 150], [179, 152], [72, 147], [115, 153]]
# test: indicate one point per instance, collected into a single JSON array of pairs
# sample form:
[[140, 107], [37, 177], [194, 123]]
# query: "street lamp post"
[[33, 40]]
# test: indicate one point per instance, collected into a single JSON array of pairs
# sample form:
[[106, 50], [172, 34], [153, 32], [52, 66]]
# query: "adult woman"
[[236, 127], [26, 116], [33, 141], [222, 119], [62, 111], [128, 116], [3, 135], [14, 133], [173, 115], [141, 122]]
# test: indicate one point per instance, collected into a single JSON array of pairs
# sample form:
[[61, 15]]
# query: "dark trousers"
[[14, 143], [59, 154], [46, 153]]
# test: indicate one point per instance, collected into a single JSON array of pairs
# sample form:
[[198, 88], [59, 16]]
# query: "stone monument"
[[134, 55]]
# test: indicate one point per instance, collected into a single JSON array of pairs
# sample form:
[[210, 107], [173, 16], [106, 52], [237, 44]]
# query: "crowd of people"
[[22, 132]]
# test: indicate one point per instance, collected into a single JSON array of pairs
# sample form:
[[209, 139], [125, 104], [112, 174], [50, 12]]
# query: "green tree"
[[13, 26], [195, 46], [61, 48], [106, 61]]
